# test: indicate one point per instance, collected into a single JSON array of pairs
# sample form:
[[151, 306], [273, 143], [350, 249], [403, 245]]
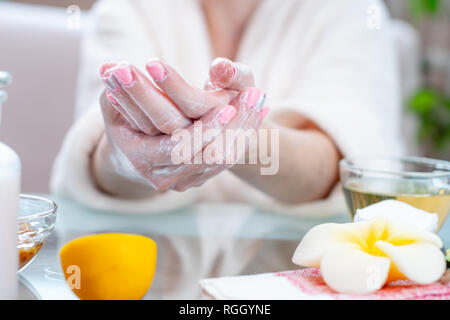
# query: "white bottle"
[[9, 206]]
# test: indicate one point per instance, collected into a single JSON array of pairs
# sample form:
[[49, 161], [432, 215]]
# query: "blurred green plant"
[[432, 108], [430, 105], [420, 8]]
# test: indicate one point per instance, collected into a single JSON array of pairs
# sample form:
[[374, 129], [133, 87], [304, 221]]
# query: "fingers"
[[183, 145], [152, 111], [248, 103], [121, 100], [106, 66], [188, 143], [110, 114], [121, 110], [223, 150], [136, 90], [153, 156], [208, 85], [112, 117], [185, 152], [225, 74], [193, 102]]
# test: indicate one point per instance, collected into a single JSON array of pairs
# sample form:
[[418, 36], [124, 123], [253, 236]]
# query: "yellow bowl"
[[109, 266]]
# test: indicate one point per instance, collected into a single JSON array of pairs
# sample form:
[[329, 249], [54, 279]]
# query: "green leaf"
[[420, 8], [424, 132], [432, 6], [424, 101], [433, 112], [443, 140], [447, 103]]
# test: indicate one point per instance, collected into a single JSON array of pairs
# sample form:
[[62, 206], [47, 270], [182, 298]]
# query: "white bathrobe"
[[333, 61]]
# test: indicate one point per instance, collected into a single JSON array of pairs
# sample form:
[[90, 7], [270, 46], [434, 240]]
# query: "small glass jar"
[[10, 170]]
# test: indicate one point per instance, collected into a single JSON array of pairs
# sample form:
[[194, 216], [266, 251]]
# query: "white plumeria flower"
[[362, 257]]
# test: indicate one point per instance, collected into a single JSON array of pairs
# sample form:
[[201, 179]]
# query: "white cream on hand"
[[400, 211], [361, 257]]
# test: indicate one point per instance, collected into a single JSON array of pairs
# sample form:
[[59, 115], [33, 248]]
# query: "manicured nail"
[[103, 68], [156, 70], [227, 114], [106, 66], [111, 98], [124, 75], [223, 72], [254, 98], [264, 112], [261, 100]]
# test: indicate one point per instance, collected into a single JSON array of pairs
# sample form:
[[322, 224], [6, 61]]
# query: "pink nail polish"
[[103, 68], [264, 112], [223, 71], [111, 98], [156, 70], [254, 98], [123, 75], [227, 114]]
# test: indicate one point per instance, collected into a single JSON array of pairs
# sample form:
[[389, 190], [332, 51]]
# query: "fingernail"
[[264, 112], [106, 66], [224, 71], [227, 114], [261, 100], [156, 70], [254, 98], [124, 75], [111, 98], [103, 68]]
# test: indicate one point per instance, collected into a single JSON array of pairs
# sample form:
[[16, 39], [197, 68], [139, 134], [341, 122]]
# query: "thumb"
[[226, 74]]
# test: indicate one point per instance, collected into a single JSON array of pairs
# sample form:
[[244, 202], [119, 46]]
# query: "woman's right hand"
[[140, 119]]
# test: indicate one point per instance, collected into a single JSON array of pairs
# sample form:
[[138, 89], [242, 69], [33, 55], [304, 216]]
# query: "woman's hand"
[[141, 117]]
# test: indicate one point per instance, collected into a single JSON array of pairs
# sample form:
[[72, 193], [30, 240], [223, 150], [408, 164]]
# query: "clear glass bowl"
[[36, 220], [421, 182]]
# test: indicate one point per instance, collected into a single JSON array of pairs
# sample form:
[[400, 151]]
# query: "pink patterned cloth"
[[311, 282]]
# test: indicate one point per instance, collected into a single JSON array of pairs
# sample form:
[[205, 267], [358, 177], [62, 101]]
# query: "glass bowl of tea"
[[421, 182], [36, 220]]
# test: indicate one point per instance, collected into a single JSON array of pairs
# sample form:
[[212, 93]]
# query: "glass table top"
[[201, 241]]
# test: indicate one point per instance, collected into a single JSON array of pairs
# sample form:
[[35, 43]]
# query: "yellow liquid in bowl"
[[360, 193]]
